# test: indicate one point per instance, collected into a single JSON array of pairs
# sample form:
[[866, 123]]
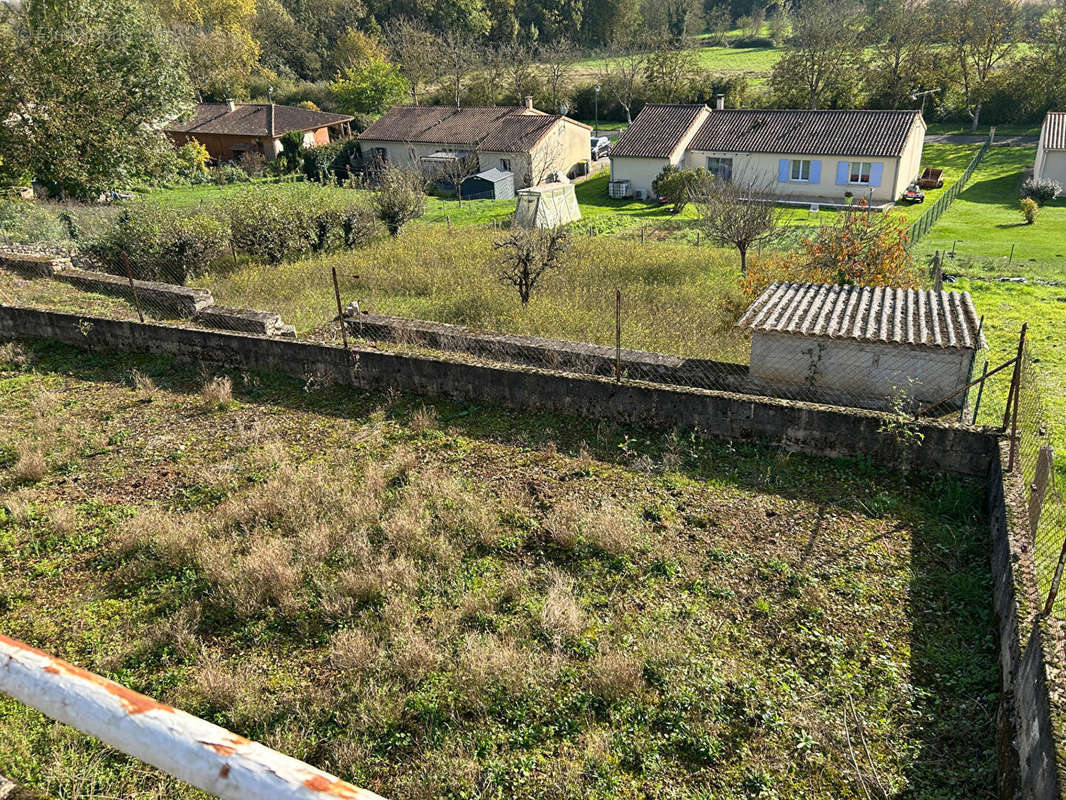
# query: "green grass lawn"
[[937, 128], [984, 223], [439, 600]]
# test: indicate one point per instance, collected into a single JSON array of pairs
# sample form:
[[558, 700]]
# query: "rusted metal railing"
[[188, 748]]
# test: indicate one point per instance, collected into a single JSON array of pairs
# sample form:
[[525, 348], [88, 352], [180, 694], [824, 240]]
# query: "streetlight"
[[597, 129], [923, 93]]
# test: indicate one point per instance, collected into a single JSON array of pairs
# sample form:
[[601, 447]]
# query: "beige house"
[[863, 346], [803, 156], [534, 146], [1051, 152]]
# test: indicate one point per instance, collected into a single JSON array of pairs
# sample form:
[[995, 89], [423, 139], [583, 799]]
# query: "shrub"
[[400, 197], [1041, 190], [227, 174], [292, 147], [673, 185], [192, 158], [161, 243], [1029, 209], [753, 41]]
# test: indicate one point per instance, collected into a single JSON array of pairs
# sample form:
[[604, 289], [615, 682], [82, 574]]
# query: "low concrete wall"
[[33, 265], [1030, 721], [246, 320], [795, 426]]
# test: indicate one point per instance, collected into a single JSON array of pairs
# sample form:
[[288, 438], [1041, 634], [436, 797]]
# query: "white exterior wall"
[[910, 162], [859, 369], [640, 172], [765, 166], [1051, 164]]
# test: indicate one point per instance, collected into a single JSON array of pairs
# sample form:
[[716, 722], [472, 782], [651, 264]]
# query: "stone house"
[[1051, 151], [863, 346], [229, 130], [803, 156], [536, 147]]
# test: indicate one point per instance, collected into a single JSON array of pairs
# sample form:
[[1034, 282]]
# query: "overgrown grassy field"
[[449, 601], [675, 299]]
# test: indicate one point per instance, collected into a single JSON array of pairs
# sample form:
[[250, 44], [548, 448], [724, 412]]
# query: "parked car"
[[601, 147], [912, 194]]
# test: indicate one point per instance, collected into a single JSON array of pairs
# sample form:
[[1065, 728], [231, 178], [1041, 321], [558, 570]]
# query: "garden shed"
[[492, 184], [861, 345], [547, 206]]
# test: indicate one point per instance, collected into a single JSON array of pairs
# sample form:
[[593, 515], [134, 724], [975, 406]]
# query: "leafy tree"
[[400, 197], [373, 87], [740, 212], [823, 57], [675, 185], [860, 248], [87, 83], [526, 254], [417, 53], [981, 37], [899, 53]]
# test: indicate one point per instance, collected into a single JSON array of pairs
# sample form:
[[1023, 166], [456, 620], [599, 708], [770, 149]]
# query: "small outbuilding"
[[863, 346], [547, 206], [1051, 150], [492, 184]]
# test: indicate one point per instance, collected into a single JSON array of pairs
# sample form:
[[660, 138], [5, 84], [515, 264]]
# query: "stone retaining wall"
[[804, 427]]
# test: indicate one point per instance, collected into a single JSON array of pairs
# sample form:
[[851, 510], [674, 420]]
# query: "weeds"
[[30, 464], [217, 393]]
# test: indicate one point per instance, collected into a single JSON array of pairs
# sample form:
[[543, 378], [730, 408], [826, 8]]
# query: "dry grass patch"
[[353, 651], [614, 676], [30, 463], [217, 393], [143, 385], [64, 519], [611, 529], [562, 526], [560, 617], [14, 355], [19, 505]]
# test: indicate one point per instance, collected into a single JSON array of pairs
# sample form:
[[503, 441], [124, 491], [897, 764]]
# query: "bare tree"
[[557, 67], [670, 70], [458, 59], [981, 37], [455, 171], [492, 61], [527, 253], [518, 69], [417, 53], [824, 51], [719, 21], [740, 212], [621, 74]]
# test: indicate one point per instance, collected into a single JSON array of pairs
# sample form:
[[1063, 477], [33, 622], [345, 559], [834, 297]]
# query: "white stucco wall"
[[640, 172], [766, 167], [1051, 164], [861, 369]]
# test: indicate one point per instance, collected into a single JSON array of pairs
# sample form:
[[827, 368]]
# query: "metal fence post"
[[618, 335]]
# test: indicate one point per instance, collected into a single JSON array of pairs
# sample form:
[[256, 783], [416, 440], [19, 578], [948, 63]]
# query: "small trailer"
[[931, 178]]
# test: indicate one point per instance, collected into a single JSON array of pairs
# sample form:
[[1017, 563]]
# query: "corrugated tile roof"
[[816, 133], [491, 128], [1053, 131], [657, 131], [867, 314], [253, 119]]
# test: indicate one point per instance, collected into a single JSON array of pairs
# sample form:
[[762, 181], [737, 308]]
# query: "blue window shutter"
[[875, 174], [816, 172], [782, 170], [842, 173]]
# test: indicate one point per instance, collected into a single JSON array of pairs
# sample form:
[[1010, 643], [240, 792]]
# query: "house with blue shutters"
[[803, 156]]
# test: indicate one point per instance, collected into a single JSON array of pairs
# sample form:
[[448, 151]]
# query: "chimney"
[[719, 102], [270, 121], [529, 102], [230, 104]]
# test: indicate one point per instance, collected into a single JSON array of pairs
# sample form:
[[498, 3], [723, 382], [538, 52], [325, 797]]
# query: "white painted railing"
[[185, 747]]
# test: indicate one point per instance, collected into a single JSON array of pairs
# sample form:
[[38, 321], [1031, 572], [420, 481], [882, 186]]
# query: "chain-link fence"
[[929, 218], [1033, 430]]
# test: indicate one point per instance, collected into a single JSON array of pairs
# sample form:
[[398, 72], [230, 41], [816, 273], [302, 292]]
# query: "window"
[[411, 156], [505, 164], [721, 168], [860, 172], [801, 170]]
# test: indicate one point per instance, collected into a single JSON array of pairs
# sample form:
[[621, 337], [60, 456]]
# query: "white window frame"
[[722, 160], [860, 164], [804, 165]]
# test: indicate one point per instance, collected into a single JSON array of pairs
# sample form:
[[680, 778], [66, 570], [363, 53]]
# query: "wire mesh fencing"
[[929, 218], [1034, 434]]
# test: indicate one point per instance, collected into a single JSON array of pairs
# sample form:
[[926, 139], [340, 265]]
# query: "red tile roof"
[[816, 133], [657, 131], [494, 128], [254, 119], [1053, 132]]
